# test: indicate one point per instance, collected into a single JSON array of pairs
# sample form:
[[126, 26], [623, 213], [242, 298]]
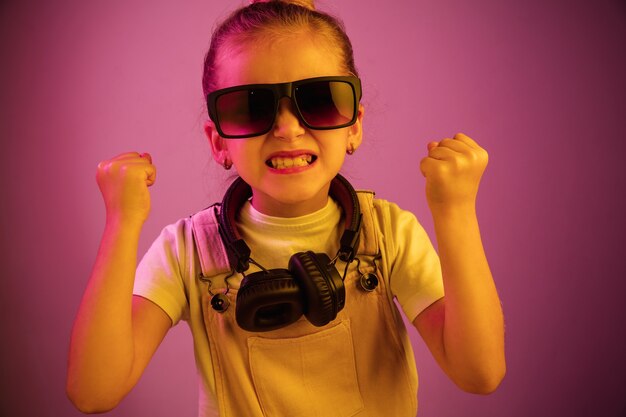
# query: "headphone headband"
[[239, 192]]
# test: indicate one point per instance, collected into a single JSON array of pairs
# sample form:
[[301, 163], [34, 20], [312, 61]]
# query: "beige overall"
[[357, 365]]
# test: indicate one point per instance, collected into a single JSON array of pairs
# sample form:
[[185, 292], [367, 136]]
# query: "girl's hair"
[[273, 19]]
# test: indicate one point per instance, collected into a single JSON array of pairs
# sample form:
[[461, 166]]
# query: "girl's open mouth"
[[282, 162]]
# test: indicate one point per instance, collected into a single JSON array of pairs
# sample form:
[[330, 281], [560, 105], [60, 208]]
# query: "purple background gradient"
[[539, 83]]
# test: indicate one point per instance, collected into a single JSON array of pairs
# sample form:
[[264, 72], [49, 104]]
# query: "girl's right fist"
[[124, 182]]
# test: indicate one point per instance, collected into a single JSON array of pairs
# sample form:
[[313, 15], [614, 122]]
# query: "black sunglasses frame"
[[279, 91]]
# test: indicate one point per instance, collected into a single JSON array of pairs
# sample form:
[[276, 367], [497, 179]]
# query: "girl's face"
[[279, 189]]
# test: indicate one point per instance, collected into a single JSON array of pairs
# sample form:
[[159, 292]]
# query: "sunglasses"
[[321, 103]]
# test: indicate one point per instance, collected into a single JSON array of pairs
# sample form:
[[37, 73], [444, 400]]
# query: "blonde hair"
[[274, 18]]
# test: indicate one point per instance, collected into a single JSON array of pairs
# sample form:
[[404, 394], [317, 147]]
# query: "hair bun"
[[307, 4]]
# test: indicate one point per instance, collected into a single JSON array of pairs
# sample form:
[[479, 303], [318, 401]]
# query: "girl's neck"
[[271, 207]]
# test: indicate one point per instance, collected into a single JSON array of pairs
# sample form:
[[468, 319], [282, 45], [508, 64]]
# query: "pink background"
[[539, 83]]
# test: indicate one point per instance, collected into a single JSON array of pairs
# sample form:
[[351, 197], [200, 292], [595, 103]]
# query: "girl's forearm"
[[473, 332], [101, 348]]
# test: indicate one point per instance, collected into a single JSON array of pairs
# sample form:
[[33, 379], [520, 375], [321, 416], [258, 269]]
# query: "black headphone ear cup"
[[321, 284], [268, 301]]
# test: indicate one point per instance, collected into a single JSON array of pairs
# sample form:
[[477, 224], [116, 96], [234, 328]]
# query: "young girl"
[[288, 284]]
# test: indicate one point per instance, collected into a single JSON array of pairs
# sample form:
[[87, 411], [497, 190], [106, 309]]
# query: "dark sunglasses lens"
[[245, 112], [326, 103]]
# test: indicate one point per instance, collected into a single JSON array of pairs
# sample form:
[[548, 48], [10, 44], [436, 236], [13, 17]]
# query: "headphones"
[[311, 285]]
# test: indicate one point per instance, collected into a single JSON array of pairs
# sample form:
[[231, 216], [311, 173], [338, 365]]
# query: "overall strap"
[[368, 245], [209, 245]]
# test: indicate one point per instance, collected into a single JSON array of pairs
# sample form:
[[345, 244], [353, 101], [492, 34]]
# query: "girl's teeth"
[[299, 161]]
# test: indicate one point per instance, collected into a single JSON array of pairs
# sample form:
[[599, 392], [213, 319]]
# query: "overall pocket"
[[312, 375]]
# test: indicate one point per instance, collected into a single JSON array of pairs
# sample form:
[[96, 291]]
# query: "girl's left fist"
[[453, 169]]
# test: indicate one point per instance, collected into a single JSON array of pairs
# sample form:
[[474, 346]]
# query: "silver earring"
[[227, 164], [350, 150]]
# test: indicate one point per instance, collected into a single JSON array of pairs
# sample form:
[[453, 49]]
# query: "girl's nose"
[[287, 125]]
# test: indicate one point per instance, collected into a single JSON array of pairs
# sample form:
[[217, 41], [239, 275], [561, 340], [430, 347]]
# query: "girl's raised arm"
[[115, 333], [465, 329]]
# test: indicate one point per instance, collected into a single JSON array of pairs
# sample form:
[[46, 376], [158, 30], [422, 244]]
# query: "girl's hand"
[[453, 169], [124, 182]]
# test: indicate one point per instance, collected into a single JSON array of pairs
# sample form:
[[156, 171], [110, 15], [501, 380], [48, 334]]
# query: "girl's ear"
[[355, 132], [218, 145]]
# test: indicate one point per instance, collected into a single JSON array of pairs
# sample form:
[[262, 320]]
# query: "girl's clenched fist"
[[453, 169], [124, 182]]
